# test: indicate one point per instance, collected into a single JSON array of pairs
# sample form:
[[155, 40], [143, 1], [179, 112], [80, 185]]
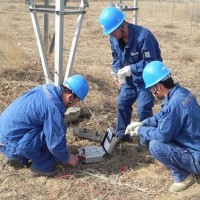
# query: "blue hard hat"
[[110, 19], [78, 85], [154, 72]]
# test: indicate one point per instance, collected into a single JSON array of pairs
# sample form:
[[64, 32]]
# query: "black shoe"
[[36, 173], [126, 138], [16, 164]]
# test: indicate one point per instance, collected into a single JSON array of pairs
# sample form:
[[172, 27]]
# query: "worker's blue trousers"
[[180, 161], [127, 96], [45, 162], [41, 157]]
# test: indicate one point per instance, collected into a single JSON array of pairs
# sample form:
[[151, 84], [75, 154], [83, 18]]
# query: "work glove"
[[121, 75], [124, 72], [131, 127], [135, 132], [117, 80]]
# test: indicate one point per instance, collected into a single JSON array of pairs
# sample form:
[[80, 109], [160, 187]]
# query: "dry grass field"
[[130, 172]]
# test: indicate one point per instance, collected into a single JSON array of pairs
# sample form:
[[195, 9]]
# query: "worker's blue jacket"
[[178, 121], [33, 122], [142, 48]]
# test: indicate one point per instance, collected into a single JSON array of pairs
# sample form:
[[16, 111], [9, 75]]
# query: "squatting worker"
[[132, 48], [173, 134], [33, 127]]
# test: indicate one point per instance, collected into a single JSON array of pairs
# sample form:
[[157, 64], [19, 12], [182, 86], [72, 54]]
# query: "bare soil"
[[130, 172]]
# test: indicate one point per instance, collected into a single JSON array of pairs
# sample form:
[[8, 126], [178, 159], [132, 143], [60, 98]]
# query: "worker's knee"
[[156, 148]]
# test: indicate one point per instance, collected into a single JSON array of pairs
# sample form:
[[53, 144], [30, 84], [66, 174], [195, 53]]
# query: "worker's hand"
[[131, 127], [73, 160], [124, 72], [116, 81]]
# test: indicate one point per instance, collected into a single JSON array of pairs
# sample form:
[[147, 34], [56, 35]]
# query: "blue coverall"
[[33, 128], [173, 134], [142, 48]]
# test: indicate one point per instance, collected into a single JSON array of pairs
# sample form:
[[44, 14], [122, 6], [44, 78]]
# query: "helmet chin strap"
[[122, 27], [124, 36], [122, 30]]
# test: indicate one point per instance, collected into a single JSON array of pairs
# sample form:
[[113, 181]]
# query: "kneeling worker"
[[32, 128], [173, 134]]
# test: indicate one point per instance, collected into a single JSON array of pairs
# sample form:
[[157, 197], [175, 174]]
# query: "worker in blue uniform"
[[133, 47], [32, 128], [173, 134]]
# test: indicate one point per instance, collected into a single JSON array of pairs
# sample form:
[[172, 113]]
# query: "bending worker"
[[32, 128], [173, 134], [133, 47]]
